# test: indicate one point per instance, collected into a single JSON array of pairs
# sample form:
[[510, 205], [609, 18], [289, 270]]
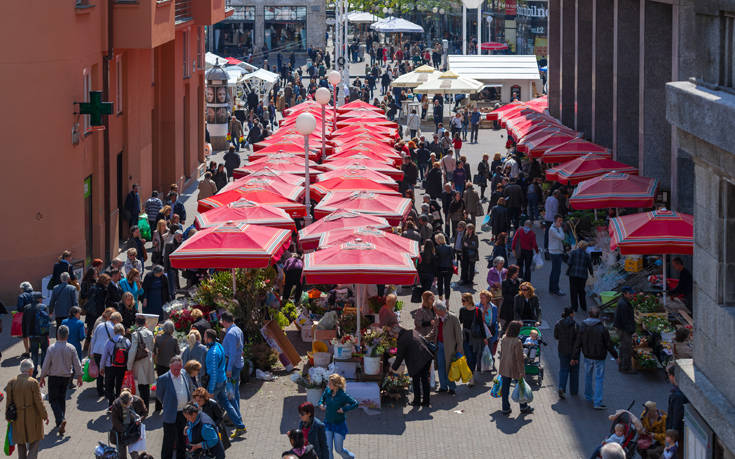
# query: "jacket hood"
[[591, 321]]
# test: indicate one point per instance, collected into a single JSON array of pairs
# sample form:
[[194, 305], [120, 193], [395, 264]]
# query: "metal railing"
[[182, 11]]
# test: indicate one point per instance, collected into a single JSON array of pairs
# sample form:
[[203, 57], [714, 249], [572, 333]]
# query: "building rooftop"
[[495, 67]]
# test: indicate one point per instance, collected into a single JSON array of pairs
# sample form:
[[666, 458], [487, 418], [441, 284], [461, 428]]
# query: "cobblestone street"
[[463, 426]]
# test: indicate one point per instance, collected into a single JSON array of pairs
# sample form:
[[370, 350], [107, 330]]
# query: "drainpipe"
[[106, 133]]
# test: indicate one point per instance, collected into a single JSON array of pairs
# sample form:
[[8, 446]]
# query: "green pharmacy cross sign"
[[95, 108]]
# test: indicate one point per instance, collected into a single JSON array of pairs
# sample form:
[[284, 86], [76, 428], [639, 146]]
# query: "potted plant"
[[395, 386], [375, 346], [314, 380]]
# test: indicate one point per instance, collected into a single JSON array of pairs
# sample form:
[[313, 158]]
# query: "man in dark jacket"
[[594, 342], [35, 326], [565, 332], [625, 323], [232, 161], [514, 201], [131, 209], [677, 399], [580, 265], [413, 348]]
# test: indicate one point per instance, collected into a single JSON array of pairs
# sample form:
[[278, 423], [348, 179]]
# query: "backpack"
[[120, 354], [42, 321]]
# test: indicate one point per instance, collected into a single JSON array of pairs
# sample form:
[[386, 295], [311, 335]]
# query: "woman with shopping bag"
[[128, 431], [511, 365]]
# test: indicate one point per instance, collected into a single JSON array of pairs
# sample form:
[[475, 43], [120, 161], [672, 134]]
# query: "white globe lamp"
[[322, 95], [305, 123]]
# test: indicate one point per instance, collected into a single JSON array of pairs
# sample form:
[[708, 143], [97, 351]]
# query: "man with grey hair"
[[612, 451], [60, 364], [24, 298], [447, 334], [23, 392], [63, 297], [173, 389]]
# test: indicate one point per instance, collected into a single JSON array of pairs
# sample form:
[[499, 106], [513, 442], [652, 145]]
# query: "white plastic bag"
[[486, 364], [515, 394], [538, 261], [525, 394], [139, 445]]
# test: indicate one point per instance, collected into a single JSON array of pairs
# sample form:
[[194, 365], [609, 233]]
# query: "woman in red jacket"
[[524, 244]]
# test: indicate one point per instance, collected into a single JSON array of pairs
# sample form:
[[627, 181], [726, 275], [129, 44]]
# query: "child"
[[530, 345], [672, 444], [618, 436]]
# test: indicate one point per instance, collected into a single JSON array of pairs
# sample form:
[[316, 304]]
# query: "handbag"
[[141, 352], [645, 441], [16, 327], [477, 330], [416, 294]]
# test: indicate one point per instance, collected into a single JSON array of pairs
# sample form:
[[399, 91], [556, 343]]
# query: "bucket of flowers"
[[313, 380], [376, 343], [395, 387]]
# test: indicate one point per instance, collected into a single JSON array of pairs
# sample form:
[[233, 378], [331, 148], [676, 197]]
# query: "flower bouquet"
[[313, 378], [646, 303], [375, 341], [344, 340], [395, 387]]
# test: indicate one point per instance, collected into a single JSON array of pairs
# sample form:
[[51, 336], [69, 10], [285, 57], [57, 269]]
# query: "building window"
[[86, 87], [200, 48], [727, 48], [185, 50], [118, 84], [235, 35], [727, 286], [285, 28], [81, 3]]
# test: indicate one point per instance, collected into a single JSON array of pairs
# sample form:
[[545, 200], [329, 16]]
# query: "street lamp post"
[[305, 125], [322, 96], [334, 78]]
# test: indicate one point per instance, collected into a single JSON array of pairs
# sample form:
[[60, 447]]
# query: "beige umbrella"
[[419, 76], [449, 83]]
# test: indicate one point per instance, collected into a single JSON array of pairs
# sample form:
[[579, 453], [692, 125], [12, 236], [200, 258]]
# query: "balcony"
[[143, 24], [183, 11], [208, 12]]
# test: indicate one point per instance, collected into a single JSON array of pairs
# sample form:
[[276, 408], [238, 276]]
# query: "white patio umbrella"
[[449, 83], [361, 17], [416, 78], [396, 25]]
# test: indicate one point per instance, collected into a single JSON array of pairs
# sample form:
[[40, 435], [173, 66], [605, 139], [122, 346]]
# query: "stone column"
[[626, 72], [259, 26], [554, 58], [656, 149], [566, 77], [583, 69], [602, 83]]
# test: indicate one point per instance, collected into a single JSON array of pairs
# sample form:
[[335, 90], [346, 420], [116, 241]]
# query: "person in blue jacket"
[[202, 432], [76, 329], [314, 430], [217, 385], [336, 402]]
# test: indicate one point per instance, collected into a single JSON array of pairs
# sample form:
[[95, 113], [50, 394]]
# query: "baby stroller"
[[532, 362], [631, 431]]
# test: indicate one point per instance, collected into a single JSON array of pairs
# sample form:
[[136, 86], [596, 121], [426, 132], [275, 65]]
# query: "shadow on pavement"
[[51, 439], [289, 412], [509, 424], [87, 400]]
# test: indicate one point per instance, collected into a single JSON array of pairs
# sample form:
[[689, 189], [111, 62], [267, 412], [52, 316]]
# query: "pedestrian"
[[299, 446], [152, 206], [526, 305], [514, 201], [293, 267], [196, 351], [500, 248], [155, 292], [386, 315], [24, 298], [612, 451], [533, 196], [654, 429], [60, 365], [524, 244], [500, 218], [414, 350], [445, 266], [63, 297], [76, 329], [127, 414], [425, 314], [173, 389], [490, 315], [131, 208], [202, 433], [35, 326], [556, 250], [114, 291], [232, 161], [565, 332], [625, 324], [447, 334], [593, 340], [470, 254], [475, 126], [140, 359], [509, 289], [314, 430], [676, 402], [101, 334], [23, 393], [459, 178], [483, 174], [114, 362], [132, 261], [448, 165], [209, 406], [235, 132], [511, 367], [172, 274], [200, 323], [580, 266], [336, 402], [216, 362], [165, 347], [551, 209], [473, 334], [427, 266], [413, 122], [207, 187], [456, 215], [496, 275], [472, 203], [132, 284], [233, 343]]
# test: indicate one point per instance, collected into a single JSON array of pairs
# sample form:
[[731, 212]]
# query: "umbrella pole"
[[234, 282], [595, 214], [360, 291], [665, 284]]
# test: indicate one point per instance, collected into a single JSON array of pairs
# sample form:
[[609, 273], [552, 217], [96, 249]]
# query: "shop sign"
[[532, 11], [539, 30], [510, 7]]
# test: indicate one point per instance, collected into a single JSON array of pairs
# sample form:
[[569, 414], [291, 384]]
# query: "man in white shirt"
[[174, 389], [551, 208], [103, 333], [511, 165], [556, 249], [448, 164]]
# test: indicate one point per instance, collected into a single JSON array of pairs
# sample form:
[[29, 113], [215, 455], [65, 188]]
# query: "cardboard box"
[[366, 393], [323, 335], [277, 339], [346, 368], [307, 334]]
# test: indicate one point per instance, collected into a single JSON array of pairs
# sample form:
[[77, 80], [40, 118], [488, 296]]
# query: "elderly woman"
[[425, 314], [131, 283], [165, 346], [512, 364], [496, 275], [196, 351], [126, 410], [202, 433], [192, 369], [132, 261], [526, 305], [654, 427], [142, 365], [490, 313]]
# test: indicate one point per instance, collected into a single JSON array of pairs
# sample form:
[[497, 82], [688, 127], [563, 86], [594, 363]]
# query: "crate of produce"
[[634, 263]]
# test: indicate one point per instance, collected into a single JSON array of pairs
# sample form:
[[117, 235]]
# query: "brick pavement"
[[466, 425]]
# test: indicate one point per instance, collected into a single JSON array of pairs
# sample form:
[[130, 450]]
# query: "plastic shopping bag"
[[9, 447], [230, 390], [495, 391], [129, 382], [538, 261], [94, 371], [462, 369], [486, 363], [454, 373], [525, 394], [85, 371], [144, 226], [139, 445], [486, 223], [515, 395], [16, 327]]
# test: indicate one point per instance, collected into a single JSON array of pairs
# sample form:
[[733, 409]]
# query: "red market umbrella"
[[370, 121], [539, 103], [372, 235], [359, 172], [363, 139], [533, 138], [554, 140], [359, 105], [493, 46], [380, 156], [614, 190], [339, 219], [654, 232], [362, 128], [233, 61], [245, 211], [258, 195], [372, 146], [383, 166], [285, 149], [280, 176], [303, 106], [353, 184], [287, 167], [393, 208], [571, 150], [291, 192], [280, 159], [586, 167], [508, 108], [520, 129], [232, 245]]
